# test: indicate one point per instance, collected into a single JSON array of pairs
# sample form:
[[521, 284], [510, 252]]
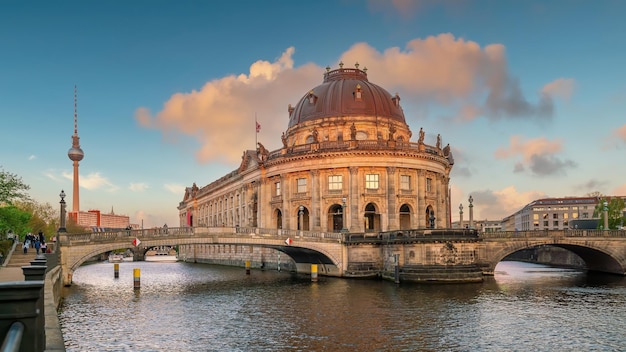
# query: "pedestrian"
[[37, 245], [25, 246]]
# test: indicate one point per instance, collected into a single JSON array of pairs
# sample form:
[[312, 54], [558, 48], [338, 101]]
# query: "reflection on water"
[[195, 307]]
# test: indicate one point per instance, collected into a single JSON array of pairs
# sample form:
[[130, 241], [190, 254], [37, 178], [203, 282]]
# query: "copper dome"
[[346, 92]]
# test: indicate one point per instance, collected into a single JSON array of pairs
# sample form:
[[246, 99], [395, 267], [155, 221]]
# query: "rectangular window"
[[545, 223], [301, 185], [335, 182], [277, 188], [429, 185], [555, 223], [371, 181], [535, 216], [405, 182], [555, 216]]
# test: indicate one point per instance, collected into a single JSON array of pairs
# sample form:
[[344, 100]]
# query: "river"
[[198, 307]]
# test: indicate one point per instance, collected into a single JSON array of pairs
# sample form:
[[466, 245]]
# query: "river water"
[[198, 307]]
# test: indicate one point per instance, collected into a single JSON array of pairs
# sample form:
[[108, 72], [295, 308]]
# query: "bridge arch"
[[596, 258]]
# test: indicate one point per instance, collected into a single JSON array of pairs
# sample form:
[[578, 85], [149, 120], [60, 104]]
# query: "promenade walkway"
[[11, 269]]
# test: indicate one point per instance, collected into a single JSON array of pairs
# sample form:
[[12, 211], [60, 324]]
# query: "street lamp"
[[471, 215], [343, 215], [301, 218], [606, 215], [461, 215], [62, 220]]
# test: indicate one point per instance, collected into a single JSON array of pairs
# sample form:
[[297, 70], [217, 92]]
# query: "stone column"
[[421, 199], [392, 214], [314, 216], [355, 224]]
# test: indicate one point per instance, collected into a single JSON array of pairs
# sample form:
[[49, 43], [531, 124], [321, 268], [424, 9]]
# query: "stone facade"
[[347, 165]]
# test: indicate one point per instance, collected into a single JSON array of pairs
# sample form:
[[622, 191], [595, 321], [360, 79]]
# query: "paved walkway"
[[11, 269]]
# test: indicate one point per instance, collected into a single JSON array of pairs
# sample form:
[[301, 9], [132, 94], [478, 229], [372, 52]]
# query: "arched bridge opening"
[[595, 259]]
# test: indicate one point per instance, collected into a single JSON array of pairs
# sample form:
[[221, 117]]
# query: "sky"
[[530, 95]]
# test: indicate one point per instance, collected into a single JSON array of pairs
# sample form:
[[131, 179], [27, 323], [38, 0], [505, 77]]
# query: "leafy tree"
[[12, 188], [44, 217], [615, 212], [14, 219]]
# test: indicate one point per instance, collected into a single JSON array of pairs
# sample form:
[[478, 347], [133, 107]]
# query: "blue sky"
[[530, 95]]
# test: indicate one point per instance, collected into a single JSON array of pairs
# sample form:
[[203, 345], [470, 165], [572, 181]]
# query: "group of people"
[[35, 241]]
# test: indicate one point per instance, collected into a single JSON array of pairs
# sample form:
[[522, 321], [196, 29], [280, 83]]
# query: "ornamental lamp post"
[[606, 215], [471, 215], [461, 215], [343, 215], [62, 220]]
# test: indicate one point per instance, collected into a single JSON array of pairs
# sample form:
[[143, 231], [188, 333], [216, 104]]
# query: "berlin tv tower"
[[75, 154]]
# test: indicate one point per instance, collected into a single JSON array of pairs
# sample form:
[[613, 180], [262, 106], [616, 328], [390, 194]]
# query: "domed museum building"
[[347, 164]]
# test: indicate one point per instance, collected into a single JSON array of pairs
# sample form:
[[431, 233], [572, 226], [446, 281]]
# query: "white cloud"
[[138, 187], [92, 181], [175, 188]]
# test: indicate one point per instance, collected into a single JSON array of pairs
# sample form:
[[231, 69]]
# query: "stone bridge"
[[305, 247], [601, 250], [362, 254]]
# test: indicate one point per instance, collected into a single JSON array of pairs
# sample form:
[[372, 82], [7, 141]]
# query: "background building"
[[551, 214], [347, 164]]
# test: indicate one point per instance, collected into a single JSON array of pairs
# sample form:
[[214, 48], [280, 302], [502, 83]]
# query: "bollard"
[[313, 272], [34, 272], [22, 301], [136, 278], [247, 267], [116, 270]]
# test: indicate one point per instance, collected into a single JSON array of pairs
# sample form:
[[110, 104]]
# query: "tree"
[[615, 212], [44, 218], [14, 219], [12, 188]]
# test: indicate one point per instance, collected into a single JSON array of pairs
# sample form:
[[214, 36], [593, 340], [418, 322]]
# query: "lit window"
[[371, 181], [301, 185], [277, 188], [405, 182], [335, 182]]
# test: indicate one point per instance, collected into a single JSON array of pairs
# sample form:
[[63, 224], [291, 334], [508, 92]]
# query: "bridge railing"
[[553, 234], [178, 232], [396, 235]]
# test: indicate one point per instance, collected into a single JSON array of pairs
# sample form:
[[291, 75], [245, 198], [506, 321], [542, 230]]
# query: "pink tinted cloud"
[[438, 70], [454, 72], [562, 88], [539, 155], [221, 114], [528, 148], [495, 204], [620, 133]]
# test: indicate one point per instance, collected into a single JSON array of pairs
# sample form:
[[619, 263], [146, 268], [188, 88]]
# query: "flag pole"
[[256, 130]]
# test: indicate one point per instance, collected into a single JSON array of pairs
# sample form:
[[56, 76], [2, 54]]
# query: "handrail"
[[13, 339]]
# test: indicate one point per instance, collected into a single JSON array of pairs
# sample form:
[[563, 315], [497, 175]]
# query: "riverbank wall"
[[53, 296]]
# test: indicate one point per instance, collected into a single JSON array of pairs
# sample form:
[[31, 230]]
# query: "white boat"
[[116, 258], [161, 254]]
